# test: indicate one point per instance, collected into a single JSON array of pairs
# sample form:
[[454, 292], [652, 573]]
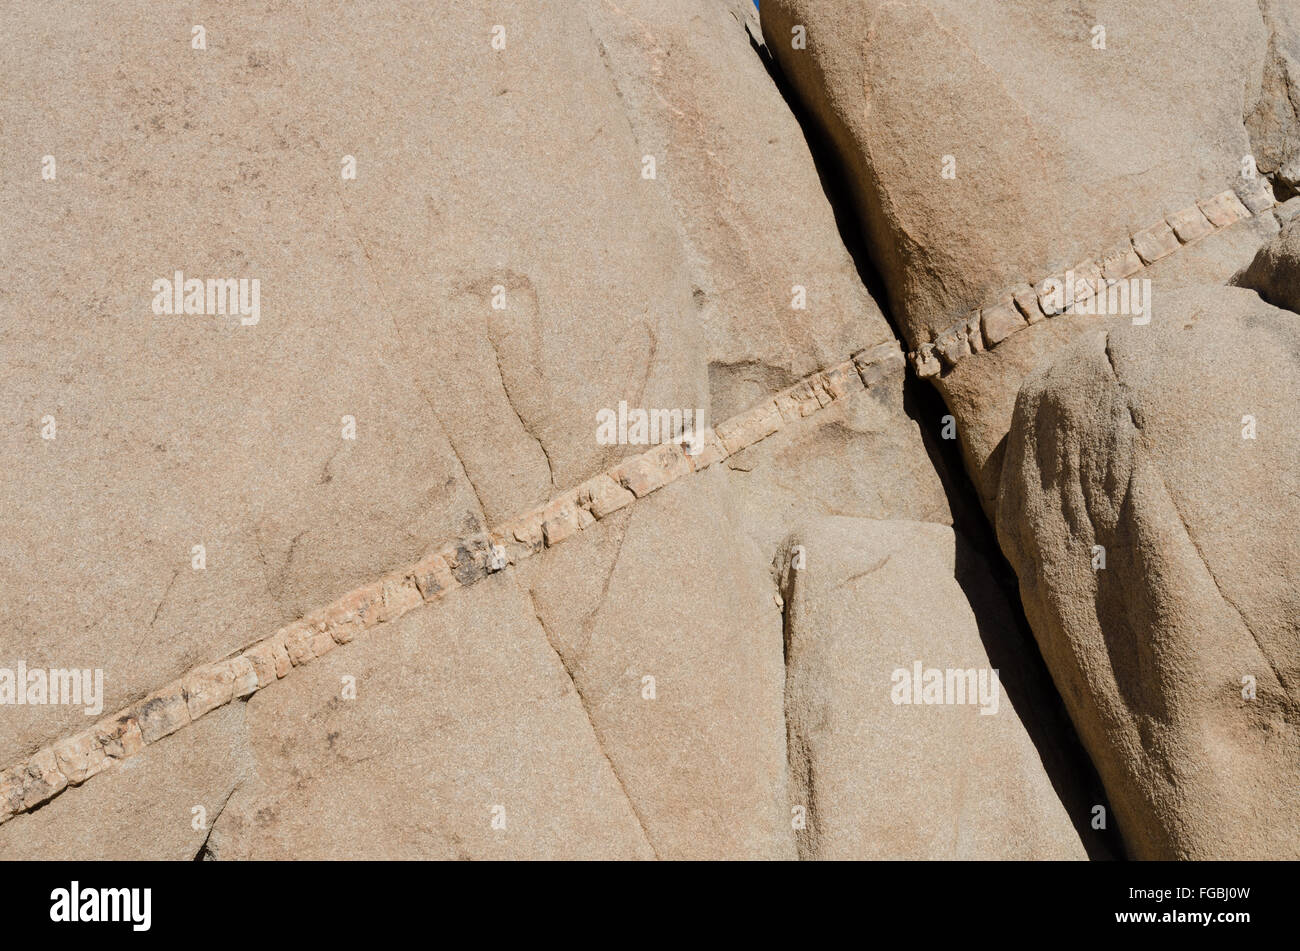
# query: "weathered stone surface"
[[1155, 242], [523, 536], [709, 448], [433, 576], [927, 363], [162, 713], [843, 380], [80, 757], [468, 557], [878, 77], [603, 496], [42, 779], [1275, 272], [11, 792], [875, 76], [1288, 211], [1123, 261], [882, 780], [401, 594], [737, 175], [1224, 209], [297, 640], [878, 363], [747, 428], [652, 469], [1051, 295], [1273, 122], [208, 687], [1086, 278], [952, 344], [447, 732], [721, 283], [1136, 439], [1000, 322], [563, 518], [320, 641], [120, 735], [283, 663], [261, 658], [712, 648], [351, 614], [189, 429], [801, 400], [1190, 224], [1256, 194], [142, 808], [245, 677]]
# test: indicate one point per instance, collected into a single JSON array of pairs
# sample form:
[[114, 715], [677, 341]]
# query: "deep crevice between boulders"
[[1033, 694]]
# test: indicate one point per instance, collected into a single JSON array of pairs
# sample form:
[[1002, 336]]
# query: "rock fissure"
[[72, 760], [1026, 305]]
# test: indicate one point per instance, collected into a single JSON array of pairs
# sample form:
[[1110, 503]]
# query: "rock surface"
[[478, 629], [1274, 123], [1043, 146], [1174, 447], [882, 779], [974, 175], [1275, 272]]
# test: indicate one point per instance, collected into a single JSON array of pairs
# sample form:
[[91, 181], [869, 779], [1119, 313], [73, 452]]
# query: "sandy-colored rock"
[[433, 576], [1123, 261], [163, 712], [120, 735], [1224, 209], [208, 687], [652, 470], [564, 517], [1288, 211], [1022, 69], [1275, 272], [41, 778], [603, 496], [888, 780], [745, 429], [739, 179], [1026, 300], [1173, 446], [1189, 224], [952, 198], [1274, 123], [180, 430], [462, 713], [1155, 242], [81, 756], [688, 675], [392, 617], [159, 805], [1000, 322]]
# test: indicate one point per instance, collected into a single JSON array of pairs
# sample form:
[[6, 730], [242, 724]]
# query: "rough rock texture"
[[184, 430], [850, 622], [1275, 272], [703, 762], [992, 147], [1274, 123], [752, 229], [1048, 174], [479, 631], [456, 712], [1134, 440], [142, 808]]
